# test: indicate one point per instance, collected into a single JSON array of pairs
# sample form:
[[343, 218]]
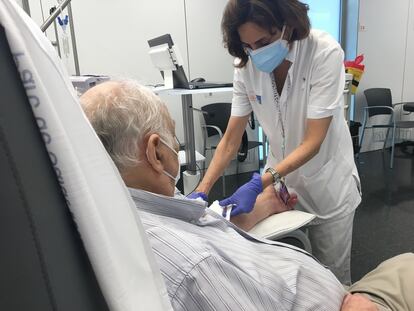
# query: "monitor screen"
[[179, 77]]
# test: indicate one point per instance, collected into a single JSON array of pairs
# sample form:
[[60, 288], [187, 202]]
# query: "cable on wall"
[[405, 52], [186, 40]]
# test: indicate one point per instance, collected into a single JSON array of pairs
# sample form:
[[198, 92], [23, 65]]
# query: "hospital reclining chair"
[[43, 261], [45, 264]]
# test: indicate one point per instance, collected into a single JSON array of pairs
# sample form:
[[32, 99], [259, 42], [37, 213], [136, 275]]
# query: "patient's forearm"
[[248, 221], [267, 204]]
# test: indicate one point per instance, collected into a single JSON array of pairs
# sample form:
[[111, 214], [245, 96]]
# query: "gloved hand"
[[196, 195], [245, 197]]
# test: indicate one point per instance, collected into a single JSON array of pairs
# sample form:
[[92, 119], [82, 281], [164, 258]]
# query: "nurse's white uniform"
[[328, 185]]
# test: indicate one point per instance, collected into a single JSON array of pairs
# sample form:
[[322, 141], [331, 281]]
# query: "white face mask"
[[177, 177]]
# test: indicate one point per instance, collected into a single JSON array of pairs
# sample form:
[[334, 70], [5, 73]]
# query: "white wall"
[[208, 57], [384, 27], [112, 35], [117, 43]]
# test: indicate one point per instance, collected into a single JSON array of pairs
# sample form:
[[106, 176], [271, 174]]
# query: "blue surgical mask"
[[268, 57], [177, 177]]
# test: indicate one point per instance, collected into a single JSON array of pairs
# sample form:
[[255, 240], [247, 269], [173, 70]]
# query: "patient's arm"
[[267, 203]]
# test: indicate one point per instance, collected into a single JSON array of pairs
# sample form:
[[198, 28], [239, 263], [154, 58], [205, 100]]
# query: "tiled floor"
[[384, 222]]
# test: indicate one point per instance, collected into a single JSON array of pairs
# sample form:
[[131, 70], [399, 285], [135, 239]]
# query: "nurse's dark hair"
[[267, 14]]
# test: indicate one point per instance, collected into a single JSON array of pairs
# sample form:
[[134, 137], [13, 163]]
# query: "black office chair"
[[216, 116], [379, 101], [43, 264]]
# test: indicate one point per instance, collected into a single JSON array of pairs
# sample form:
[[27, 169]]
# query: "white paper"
[[217, 208]]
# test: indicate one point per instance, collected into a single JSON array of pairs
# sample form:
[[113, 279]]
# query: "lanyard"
[[282, 123]]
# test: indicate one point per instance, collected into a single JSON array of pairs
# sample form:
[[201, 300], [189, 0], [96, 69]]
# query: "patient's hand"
[[357, 302], [270, 201], [267, 204]]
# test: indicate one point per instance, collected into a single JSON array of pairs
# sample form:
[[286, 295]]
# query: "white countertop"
[[162, 90]]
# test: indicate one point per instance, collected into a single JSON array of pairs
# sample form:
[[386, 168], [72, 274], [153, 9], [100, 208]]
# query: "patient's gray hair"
[[122, 113]]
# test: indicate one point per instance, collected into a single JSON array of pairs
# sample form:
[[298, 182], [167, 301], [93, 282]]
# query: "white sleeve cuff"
[[240, 108], [315, 112]]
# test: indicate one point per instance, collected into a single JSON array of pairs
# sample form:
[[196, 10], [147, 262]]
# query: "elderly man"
[[207, 262], [122, 118]]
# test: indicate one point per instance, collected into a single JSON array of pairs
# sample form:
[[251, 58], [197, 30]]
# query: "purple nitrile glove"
[[196, 195], [244, 198]]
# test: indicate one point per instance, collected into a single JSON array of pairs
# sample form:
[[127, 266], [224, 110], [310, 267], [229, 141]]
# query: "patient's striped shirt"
[[209, 264]]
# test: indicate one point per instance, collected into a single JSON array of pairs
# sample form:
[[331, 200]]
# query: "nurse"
[[293, 79]]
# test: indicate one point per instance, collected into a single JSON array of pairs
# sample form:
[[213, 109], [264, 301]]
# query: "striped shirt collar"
[[179, 206]]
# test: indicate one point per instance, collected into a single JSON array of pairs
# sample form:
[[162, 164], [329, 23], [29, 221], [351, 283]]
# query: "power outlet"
[[362, 28]]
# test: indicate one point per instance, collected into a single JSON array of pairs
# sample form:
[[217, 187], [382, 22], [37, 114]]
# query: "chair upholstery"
[[88, 180], [43, 264], [217, 114], [378, 97]]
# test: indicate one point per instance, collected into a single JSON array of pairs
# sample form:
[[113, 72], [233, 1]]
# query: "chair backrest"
[[378, 97], [43, 264], [218, 114]]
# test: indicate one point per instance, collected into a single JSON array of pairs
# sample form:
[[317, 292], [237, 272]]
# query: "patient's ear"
[[154, 154]]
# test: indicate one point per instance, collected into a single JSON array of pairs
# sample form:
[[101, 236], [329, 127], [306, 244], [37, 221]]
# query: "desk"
[[191, 176]]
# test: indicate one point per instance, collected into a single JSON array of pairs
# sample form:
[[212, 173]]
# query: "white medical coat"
[[328, 185]]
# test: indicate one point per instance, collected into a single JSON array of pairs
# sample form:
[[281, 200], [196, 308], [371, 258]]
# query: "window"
[[325, 15]]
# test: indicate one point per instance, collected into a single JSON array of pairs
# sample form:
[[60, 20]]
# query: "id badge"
[[283, 192]]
